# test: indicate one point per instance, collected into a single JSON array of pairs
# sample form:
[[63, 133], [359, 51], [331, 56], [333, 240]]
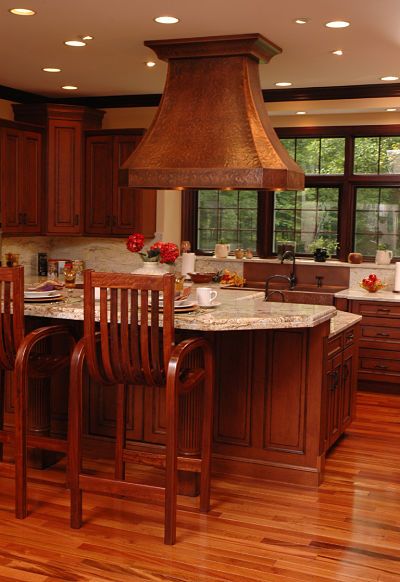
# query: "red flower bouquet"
[[158, 252]]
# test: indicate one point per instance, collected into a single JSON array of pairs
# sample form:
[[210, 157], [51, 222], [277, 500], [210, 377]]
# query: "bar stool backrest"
[[131, 348], [12, 329]]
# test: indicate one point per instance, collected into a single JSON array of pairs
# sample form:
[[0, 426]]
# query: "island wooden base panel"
[[346, 530]]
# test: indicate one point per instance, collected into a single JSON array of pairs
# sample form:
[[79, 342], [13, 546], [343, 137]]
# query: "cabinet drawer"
[[379, 366], [379, 309], [335, 345], [381, 333], [348, 337]]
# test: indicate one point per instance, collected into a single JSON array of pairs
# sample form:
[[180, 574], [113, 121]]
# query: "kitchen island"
[[273, 387]]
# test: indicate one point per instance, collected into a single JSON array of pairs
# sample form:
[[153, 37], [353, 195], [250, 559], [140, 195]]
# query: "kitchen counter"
[[239, 310], [360, 293]]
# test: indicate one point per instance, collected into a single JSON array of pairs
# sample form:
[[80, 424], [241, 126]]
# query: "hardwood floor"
[[347, 530]]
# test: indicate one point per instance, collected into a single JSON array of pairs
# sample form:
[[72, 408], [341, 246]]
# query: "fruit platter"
[[372, 284]]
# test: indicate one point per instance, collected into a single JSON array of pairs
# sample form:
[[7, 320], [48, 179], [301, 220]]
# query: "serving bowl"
[[201, 277]]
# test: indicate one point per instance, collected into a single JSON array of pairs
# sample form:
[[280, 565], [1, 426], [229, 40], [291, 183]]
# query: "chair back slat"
[[130, 349], [12, 327]]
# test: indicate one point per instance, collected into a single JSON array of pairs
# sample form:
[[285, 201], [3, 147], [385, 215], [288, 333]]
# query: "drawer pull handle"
[[346, 371], [350, 336], [382, 334], [384, 309], [381, 367], [335, 380]]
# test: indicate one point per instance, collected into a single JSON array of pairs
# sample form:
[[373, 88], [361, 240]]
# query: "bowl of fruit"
[[372, 284]]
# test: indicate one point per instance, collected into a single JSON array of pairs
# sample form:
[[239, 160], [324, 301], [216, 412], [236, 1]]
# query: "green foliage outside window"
[[305, 216], [377, 155], [319, 155], [230, 215], [377, 220]]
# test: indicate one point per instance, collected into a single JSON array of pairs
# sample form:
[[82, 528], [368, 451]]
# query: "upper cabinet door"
[[133, 209], [21, 181], [98, 186], [64, 177]]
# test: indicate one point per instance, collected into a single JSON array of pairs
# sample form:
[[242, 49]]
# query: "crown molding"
[[270, 95]]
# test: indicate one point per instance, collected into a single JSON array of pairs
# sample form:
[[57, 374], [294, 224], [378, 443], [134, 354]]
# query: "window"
[[352, 195], [228, 215], [377, 219], [305, 216]]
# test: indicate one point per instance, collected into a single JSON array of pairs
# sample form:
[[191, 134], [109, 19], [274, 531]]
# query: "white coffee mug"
[[205, 295]]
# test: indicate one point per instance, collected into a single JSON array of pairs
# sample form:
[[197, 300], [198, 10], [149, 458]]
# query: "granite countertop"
[[239, 310], [360, 293], [342, 321]]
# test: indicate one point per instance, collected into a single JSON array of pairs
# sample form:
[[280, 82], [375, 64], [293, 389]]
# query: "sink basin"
[[299, 296]]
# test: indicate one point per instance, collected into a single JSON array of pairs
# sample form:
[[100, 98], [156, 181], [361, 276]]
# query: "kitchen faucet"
[[291, 278]]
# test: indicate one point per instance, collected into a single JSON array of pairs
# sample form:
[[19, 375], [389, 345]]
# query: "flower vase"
[[152, 268]]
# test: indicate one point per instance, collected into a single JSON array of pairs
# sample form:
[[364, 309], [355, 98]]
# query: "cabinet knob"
[[350, 336]]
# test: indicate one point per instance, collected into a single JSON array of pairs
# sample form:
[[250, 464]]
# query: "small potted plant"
[[323, 249], [383, 256], [222, 249]]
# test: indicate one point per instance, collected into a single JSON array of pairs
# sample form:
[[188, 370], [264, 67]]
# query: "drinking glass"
[[69, 281]]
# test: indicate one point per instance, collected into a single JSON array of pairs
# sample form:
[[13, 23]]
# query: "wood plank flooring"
[[346, 530]]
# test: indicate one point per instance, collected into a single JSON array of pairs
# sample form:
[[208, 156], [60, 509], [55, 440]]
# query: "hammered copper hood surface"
[[211, 130]]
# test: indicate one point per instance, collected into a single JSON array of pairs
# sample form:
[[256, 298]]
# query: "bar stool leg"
[[171, 473], [75, 434], [20, 405], [205, 475]]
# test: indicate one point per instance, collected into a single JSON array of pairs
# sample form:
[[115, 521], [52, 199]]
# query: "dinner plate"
[[212, 304], [41, 294], [178, 304], [58, 297]]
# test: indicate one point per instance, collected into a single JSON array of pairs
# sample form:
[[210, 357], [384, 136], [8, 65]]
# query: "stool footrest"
[[118, 487], [48, 443], [158, 460]]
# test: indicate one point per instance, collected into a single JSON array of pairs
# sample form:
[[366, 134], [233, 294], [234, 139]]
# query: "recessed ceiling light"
[[69, 87], [283, 84], [339, 52], [391, 109], [337, 24], [22, 11], [166, 19], [150, 64], [75, 43], [389, 78], [301, 112], [51, 70], [302, 20], [87, 37]]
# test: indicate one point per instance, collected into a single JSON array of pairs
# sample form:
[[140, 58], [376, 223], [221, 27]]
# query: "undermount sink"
[[320, 297]]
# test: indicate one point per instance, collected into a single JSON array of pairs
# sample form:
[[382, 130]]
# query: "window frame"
[[347, 184]]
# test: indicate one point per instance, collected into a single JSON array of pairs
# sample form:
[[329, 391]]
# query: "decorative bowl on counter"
[[201, 277], [372, 284]]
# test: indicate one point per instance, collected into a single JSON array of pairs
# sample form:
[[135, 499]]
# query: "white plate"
[[40, 294], [177, 304], [212, 304]]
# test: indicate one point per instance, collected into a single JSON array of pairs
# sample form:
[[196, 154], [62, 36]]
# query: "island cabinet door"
[[98, 184], [333, 384]]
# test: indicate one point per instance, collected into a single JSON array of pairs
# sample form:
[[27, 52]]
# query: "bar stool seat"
[[25, 357], [124, 345]]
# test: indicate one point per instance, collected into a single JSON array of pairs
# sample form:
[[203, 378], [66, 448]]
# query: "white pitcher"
[[222, 250], [383, 257]]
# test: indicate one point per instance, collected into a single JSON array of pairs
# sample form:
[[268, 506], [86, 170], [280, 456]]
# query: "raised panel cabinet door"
[[11, 180], [99, 184], [31, 200], [133, 209], [349, 386], [64, 177], [333, 400]]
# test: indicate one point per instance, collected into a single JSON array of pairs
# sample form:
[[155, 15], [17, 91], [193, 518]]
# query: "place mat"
[[43, 299]]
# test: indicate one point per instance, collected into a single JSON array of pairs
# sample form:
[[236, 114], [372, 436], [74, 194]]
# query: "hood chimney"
[[211, 130]]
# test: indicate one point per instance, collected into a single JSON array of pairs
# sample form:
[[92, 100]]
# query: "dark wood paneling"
[[285, 406], [98, 194]]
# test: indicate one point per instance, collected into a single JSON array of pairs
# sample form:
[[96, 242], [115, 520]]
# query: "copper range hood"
[[211, 130]]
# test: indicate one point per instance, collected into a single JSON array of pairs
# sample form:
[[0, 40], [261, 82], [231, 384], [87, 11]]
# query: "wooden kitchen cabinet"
[[111, 209], [379, 365], [21, 180], [65, 126], [340, 383]]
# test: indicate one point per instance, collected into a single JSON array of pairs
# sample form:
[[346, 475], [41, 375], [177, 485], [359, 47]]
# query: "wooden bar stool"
[[19, 355], [130, 348]]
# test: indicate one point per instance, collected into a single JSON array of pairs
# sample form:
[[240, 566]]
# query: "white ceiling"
[[113, 63]]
